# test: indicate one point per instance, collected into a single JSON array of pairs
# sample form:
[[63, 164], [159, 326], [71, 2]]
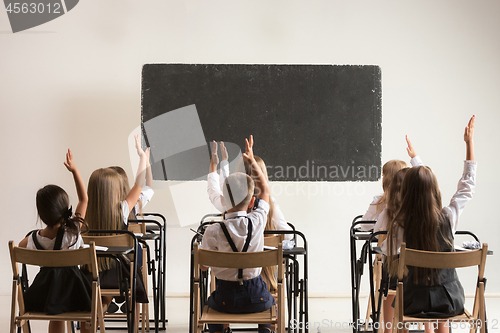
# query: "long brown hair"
[[52, 204], [420, 215], [125, 191], [388, 171], [392, 208], [104, 208]]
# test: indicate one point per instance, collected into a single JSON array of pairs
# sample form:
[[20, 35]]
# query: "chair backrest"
[[428, 259], [110, 240], [273, 240], [137, 228], [51, 258], [238, 259]]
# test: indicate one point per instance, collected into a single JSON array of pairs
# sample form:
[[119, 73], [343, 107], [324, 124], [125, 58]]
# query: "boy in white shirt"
[[241, 291]]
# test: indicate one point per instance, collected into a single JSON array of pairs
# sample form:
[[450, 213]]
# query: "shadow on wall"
[[96, 128]]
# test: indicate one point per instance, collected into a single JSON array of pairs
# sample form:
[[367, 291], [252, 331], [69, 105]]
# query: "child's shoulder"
[[376, 199], [213, 228]]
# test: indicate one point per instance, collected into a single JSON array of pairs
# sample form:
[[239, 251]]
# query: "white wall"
[[75, 82]]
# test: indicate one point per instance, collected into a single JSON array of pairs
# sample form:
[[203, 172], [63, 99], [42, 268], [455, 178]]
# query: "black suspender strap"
[[35, 240], [230, 195], [233, 246], [249, 236], [59, 238], [228, 237]]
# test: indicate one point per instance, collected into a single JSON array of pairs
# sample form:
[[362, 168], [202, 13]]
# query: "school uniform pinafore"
[[58, 290], [446, 296]]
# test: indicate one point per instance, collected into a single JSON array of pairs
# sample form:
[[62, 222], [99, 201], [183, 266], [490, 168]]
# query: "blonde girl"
[[389, 169], [146, 192], [387, 215], [109, 211]]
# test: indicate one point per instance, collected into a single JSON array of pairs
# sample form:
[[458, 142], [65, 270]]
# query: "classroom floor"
[[325, 315]]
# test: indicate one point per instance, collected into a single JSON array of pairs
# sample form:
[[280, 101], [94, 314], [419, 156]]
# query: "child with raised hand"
[[214, 182], [106, 195], [239, 201], [108, 210], [62, 232], [275, 219], [389, 169], [144, 198], [383, 223], [146, 191], [424, 224]]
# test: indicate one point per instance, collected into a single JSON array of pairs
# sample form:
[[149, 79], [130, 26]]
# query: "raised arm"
[[414, 158], [467, 182], [149, 173], [215, 159], [411, 151], [469, 139], [83, 199], [223, 151], [259, 178], [135, 191], [224, 165]]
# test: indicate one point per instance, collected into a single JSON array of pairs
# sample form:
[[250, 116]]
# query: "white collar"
[[233, 215]]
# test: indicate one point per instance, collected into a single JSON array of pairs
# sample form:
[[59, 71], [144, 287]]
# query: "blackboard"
[[310, 122]]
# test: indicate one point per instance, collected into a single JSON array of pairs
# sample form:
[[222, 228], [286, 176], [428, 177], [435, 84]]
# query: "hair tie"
[[69, 213]]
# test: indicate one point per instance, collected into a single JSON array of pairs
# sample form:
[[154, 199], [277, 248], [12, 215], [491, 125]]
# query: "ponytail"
[[73, 225]]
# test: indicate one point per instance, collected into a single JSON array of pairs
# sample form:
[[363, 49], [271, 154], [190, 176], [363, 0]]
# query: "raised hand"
[[69, 163], [249, 149], [469, 130], [215, 157], [81, 191], [469, 139], [223, 151], [138, 145], [411, 151], [148, 154]]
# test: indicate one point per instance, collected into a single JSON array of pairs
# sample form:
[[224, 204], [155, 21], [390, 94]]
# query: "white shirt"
[[145, 197], [373, 212], [237, 227], [214, 185], [462, 196], [48, 244]]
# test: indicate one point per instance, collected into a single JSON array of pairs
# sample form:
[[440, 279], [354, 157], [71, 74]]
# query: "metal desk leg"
[[296, 292], [354, 286], [305, 286], [191, 290], [162, 279], [289, 290]]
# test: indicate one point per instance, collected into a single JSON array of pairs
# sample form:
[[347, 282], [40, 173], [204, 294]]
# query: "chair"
[[426, 259], [238, 260], [270, 241], [140, 228], [273, 240], [377, 279], [122, 239], [50, 258]]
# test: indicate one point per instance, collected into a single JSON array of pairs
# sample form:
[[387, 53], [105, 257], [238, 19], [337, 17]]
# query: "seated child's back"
[[240, 290]]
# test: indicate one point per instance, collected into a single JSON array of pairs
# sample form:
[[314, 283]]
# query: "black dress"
[[445, 297], [57, 290]]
